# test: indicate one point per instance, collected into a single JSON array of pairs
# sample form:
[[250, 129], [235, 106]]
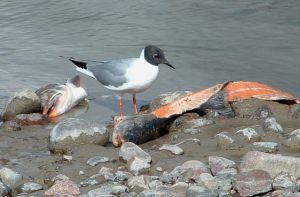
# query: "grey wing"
[[111, 72]]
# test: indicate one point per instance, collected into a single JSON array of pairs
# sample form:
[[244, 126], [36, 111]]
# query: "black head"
[[155, 56]]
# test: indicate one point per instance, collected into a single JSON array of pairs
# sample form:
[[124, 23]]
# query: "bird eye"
[[156, 56]]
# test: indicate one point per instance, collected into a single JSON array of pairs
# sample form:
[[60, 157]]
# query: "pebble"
[[267, 147], [284, 181], [216, 164], [97, 160], [138, 183], [159, 169], [29, 187], [199, 191], [252, 183], [4, 189], [208, 181], [122, 176], [248, 134], [270, 124], [138, 166], [225, 141], [292, 143], [103, 190], [32, 119], [271, 163], [173, 148], [63, 188], [11, 125], [130, 150], [119, 189], [179, 189], [10, 178]]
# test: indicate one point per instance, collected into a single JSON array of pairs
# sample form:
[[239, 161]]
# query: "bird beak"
[[168, 64]]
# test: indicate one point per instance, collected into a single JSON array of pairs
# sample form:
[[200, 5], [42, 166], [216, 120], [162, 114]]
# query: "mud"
[[26, 151]]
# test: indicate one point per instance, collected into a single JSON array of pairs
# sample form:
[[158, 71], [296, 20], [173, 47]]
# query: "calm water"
[[208, 41]]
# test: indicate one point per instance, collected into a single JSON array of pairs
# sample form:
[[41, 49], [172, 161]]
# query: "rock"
[[199, 191], [292, 143], [166, 98], [23, 102], [60, 177], [67, 158], [179, 189], [284, 181], [10, 178], [295, 111], [11, 125], [297, 187], [267, 147], [273, 164], [217, 164], [208, 181], [119, 189], [284, 193], [159, 169], [270, 124], [173, 148], [179, 124], [155, 184], [248, 135], [229, 171], [103, 190], [29, 187], [31, 119], [90, 181], [224, 182], [155, 193], [188, 124], [197, 167], [122, 176], [67, 188], [225, 141], [107, 173], [73, 132], [252, 183], [97, 160], [4, 189], [138, 165], [138, 183], [130, 150]]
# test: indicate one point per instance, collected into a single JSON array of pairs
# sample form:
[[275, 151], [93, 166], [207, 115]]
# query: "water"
[[207, 41]]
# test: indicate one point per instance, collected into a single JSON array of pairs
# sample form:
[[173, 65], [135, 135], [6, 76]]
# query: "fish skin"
[[57, 99]]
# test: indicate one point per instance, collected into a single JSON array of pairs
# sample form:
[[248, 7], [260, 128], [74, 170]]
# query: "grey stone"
[[138, 183], [292, 143], [23, 102], [155, 193], [10, 177], [32, 119], [225, 141], [29, 187], [73, 132], [199, 191], [224, 182], [248, 135], [107, 173], [267, 147], [119, 189], [4, 189], [284, 181], [90, 182], [273, 164], [122, 176], [208, 181], [173, 148], [138, 165], [103, 190], [230, 171], [179, 189], [130, 150], [97, 160], [252, 183], [11, 125], [217, 164], [270, 124]]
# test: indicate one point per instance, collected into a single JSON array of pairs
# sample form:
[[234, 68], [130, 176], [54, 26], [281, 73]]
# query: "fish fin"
[[75, 81]]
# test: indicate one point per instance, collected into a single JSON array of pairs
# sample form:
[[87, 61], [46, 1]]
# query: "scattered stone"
[[103, 190], [81, 172], [267, 147], [130, 150], [122, 176], [159, 169], [23, 102], [179, 124], [292, 143], [199, 191], [32, 119], [224, 182], [11, 125], [10, 178], [61, 188], [29, 187], [230, 171], [248, 134], [197, 167], [270, 124], [155, 184], [166, 98], [4, 189], [73, 132], [155, 193], [273, 164], [178, 174], [208, 181], [216, 164], [138, 165], [179, 189], [91, 181], [119, 189], [107, 173], [252, 183], [138, 183], [173, 148], [284, 181], [225, 141], [97, 160], [60, 177]]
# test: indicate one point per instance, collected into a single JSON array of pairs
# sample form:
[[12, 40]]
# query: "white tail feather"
[[85, 71]]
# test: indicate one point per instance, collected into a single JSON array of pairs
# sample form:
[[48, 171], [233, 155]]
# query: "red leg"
[[121, 107], [135, 105]]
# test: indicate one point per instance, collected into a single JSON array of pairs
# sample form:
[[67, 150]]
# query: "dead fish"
[[57, 99], [142, 128]]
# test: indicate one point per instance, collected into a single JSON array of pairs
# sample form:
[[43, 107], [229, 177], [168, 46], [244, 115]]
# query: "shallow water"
[[207, 41]]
